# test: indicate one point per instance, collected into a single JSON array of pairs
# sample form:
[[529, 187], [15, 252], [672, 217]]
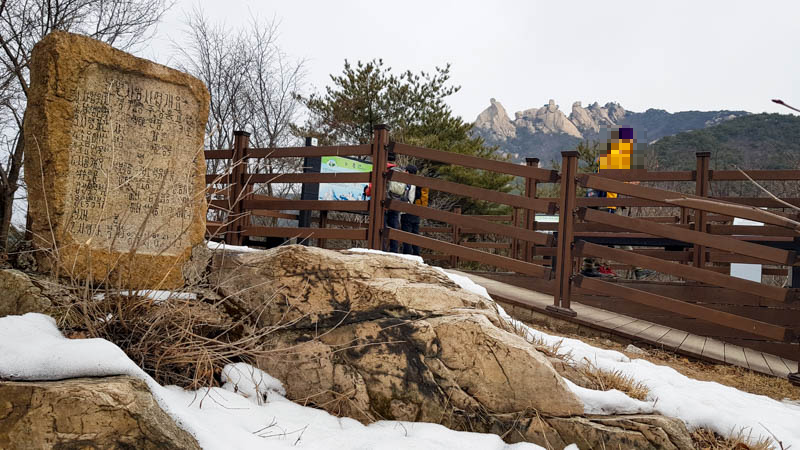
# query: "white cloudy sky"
[[677, 55]]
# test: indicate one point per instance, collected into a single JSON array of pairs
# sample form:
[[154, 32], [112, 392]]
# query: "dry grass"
[[705, 439], [605, 380]]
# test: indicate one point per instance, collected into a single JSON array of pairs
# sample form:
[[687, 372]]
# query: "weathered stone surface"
[[18, 295], [373, 336], [494, 120], [114, 412], [114, 163], [598, 432], [547, 119]]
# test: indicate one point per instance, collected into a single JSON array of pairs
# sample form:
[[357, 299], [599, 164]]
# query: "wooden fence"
[[691, 246]]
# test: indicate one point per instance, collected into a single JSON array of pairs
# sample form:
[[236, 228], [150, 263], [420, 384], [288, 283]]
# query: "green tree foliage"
[[757, 141], [414, 107]]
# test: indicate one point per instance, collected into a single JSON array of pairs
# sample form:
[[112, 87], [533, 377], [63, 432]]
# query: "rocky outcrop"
[[547, 119], [380, 337], [494, 121], [19, 294], [374, 336], [114, 412], [590, 120]]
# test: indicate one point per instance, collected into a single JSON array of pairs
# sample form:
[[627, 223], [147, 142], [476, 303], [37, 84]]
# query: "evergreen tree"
[[414, 107]]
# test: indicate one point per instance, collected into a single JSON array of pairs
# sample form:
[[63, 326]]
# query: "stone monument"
[[113, 163]]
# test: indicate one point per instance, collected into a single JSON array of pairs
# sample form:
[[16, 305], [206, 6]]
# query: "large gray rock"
[[379, 337], [115, 412]]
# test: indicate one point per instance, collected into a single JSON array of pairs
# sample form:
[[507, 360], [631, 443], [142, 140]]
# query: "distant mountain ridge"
[[544, 132]]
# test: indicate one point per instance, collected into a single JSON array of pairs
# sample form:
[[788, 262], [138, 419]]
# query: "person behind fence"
[[397, 191], [621, 152], [410, 222]]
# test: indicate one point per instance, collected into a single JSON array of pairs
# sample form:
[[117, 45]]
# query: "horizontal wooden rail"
[[764, 329], [748, 230], [745, 212], [470, 254], [272, 213], [474, 192], [362, 177], [467, 221], [321, 233], [297, 152], [691, 175], [678, 199], [765, 175], [643, 175], [498, 245], [687, 272], [305, 205], [218, 154], [475, 162], [695, 237]]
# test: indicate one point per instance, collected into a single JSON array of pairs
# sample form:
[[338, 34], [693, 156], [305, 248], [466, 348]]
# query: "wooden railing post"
[[702, 190], [530, 215], [236, 189], [566, 226], [456, 238], [515, 243], [380, 140]]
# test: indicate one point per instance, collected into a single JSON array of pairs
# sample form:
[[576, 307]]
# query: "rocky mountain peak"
[[494, 123]]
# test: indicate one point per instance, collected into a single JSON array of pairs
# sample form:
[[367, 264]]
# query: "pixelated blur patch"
[[621, 150]]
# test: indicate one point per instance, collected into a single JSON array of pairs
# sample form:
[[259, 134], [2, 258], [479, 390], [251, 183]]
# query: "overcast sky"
[[673, 55]]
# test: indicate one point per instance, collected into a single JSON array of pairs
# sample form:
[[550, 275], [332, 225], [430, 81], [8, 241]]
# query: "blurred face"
[[617, 154]]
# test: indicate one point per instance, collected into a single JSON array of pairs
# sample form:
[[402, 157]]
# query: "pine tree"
[[414, 107]]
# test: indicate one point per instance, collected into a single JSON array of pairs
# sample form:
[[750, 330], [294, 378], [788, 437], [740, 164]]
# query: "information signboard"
[[342, 191]]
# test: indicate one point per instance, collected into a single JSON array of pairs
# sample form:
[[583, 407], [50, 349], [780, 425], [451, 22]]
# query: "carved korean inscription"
[[131, 163]]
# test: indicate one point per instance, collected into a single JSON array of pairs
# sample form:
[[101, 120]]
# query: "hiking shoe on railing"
[[607, 271], [643, 274], [594, 273]]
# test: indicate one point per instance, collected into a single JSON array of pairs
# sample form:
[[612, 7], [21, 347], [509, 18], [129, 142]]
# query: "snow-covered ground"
[[250, 410]]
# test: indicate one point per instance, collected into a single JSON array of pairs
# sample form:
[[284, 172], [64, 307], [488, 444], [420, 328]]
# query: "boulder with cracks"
[[375, 336]]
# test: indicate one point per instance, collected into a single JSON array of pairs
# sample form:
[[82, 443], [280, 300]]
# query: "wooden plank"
[[755, 360], [687, 272], [693, 344], [314, 205], [714, 349], [748, 230], [296, 152], [218, 154], [673, 339], [468, 221], [267, 178], [643, 175], [735, 175], [636, 327], [470, 254], [734, 354], [687, 309], [322, 233], [477, 163], [517, 201], [616, 322], [776, 364], [695, 237], [499, 245], [654, 333], [745, 212]]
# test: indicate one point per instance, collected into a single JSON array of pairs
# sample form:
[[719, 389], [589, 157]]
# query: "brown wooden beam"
[[477, 163], [474, 192], [319, 233], [710, 240], [469, 221], [687, 272], [767, 330], [362, 177], [470, 254], [315, 205], [297, 152]]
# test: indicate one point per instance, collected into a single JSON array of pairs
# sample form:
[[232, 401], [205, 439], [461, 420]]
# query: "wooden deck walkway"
[[709, 349]]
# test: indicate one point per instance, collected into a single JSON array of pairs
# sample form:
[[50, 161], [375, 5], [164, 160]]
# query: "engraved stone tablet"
[[114, 163]]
